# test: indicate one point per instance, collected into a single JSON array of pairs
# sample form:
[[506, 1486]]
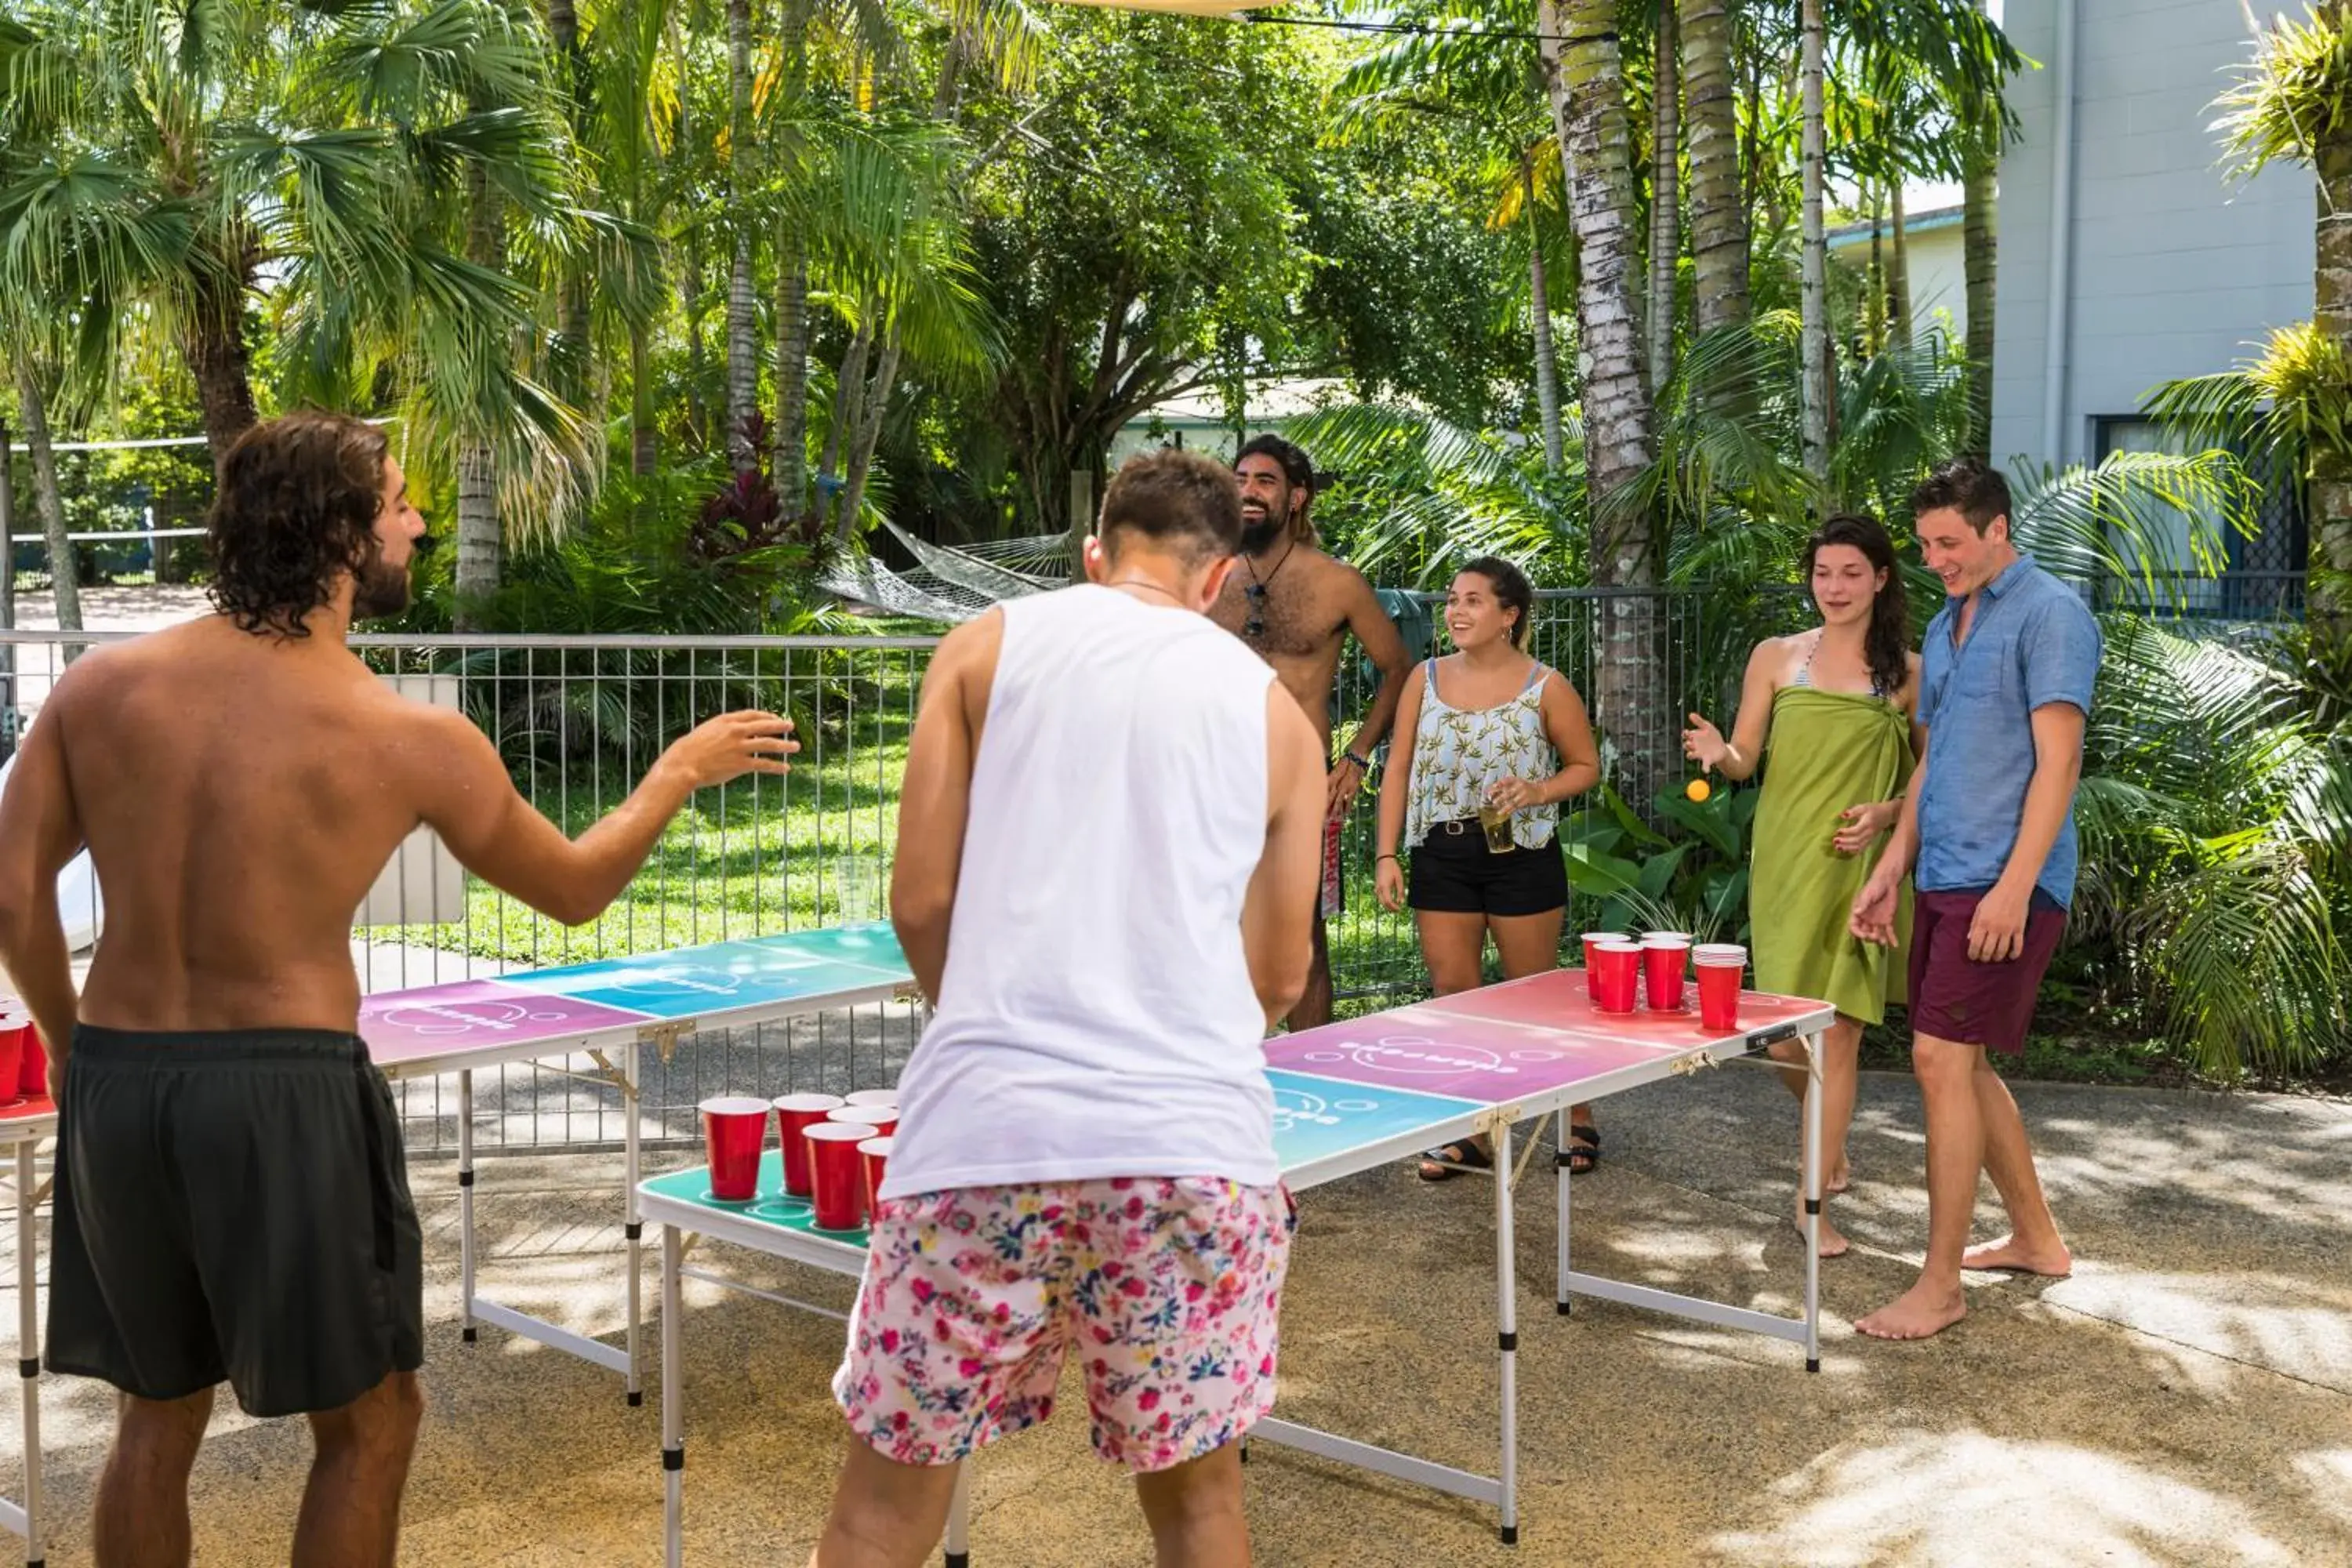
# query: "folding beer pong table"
[[608, 1011], [1350, 1097], [22, 1127]]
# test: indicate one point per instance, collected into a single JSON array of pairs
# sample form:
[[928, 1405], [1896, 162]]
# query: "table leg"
[[959, 1546], [1560, 1173], [632, 1224], [466, 1204], [28, 1349], [1813, 1202], [1507, 1321], [672, 1402]]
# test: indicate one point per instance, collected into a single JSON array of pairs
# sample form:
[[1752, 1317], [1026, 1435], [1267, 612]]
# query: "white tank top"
[[1097, 1017]]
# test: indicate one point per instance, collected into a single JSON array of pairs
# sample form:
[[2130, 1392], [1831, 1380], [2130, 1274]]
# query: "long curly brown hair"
[[295, 509]]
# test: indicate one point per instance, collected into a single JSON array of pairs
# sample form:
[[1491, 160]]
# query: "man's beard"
[[1257, 538], [378, 591]]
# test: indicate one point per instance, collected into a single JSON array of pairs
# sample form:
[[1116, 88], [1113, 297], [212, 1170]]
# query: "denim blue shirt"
[[2034, 642]]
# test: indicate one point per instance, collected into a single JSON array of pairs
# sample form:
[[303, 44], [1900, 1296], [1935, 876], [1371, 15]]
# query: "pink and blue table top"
[[560, 1008], [1351, 1095], [1524, 1040]]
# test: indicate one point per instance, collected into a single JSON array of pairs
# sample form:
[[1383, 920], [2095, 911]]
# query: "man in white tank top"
[[1106, 926]]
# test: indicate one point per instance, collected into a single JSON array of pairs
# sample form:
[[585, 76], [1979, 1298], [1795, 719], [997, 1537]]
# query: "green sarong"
[[1826, 751]]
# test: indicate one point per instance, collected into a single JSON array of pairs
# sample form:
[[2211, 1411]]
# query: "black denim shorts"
[[1454, 872]]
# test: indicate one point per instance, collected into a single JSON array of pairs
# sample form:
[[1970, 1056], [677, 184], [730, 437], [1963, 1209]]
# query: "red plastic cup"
[[872, 1097], [1720, 966], [33, 1079], [795, 1113], [734, 1131], [1662, 958], [875, 1153], [1592, 941], [879, 1121], [839, 1171], [1618, 968], [14, 1029]]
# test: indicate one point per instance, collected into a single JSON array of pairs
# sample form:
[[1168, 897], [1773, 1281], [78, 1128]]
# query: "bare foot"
[[1835, 1181], [1833, 1244], [2053, 1260], [1916, 1314]]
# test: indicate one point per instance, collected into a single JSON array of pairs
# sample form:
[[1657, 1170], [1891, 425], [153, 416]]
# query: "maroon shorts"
[[1953, 996]]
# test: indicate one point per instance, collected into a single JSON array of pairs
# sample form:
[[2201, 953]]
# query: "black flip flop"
[[1463, 1153], [1583, 1150]]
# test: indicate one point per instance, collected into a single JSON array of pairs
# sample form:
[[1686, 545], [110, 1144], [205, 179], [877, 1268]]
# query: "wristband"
[[1363, 762], [1378, 859]]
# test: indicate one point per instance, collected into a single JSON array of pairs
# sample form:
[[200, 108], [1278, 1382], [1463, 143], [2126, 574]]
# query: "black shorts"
[[233, 1206], [1454, 872]]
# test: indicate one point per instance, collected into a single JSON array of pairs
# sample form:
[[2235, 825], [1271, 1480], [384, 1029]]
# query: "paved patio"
[[2185, 1398]]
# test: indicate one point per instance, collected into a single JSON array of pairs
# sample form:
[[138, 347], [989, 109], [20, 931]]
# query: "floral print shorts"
[[1166, 1288]]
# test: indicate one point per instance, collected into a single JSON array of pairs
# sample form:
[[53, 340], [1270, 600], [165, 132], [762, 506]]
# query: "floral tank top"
[[1457, 753]]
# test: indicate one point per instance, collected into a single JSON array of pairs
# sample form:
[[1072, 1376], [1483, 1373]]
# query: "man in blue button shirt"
[[2004, 692]]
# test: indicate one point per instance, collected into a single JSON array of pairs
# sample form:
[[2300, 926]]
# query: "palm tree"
[[1452, 70], [450, 190], [81, 238], [2295, 101], [1585, 76], [742, 178], [1718, 203], [1814, 257], [1666, 198]]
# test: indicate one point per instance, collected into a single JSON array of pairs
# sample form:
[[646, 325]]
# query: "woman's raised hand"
[[1703, 743]]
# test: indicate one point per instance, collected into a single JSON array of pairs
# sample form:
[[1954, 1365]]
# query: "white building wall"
[[2177, 269]]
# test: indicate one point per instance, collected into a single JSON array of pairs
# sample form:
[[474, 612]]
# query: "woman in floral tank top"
[[1485, 725]]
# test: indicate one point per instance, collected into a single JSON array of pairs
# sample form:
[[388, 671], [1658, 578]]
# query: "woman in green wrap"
[[1831, 708]]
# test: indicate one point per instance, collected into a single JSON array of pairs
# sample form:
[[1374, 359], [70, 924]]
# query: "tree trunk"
[[1815, 331], [1898, 269], [792, 298], [1718, 203], [480, 540], [1584, 80], [212, 343], [848, 393], [869, 434], [2330, 586], [792, 378], [65, 581], [1874, 291], [1586, 85], [742, 366], [570, 351], [1979, 248], [1539, 314], [1665, 203], [645, 434]]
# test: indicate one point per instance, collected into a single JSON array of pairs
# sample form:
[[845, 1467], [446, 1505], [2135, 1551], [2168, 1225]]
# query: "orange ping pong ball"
[[1697, 789]]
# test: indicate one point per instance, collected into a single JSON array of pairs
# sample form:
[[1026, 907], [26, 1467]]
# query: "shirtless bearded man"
[[1296, 606], [231, 1202]]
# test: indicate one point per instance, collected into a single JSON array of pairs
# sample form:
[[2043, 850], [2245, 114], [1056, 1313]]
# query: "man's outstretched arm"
[[40, 831], [1383, 646], [469, 801]]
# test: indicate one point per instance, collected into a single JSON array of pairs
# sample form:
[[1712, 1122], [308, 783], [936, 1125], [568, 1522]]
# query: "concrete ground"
[[2186, 1397]]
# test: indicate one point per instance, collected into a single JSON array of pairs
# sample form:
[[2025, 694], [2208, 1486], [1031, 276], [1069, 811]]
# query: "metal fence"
[[579, 719]]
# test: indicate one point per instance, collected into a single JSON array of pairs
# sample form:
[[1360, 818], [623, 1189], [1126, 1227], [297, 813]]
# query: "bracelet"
[[1731, 751], [1378, 859], [1363, 762]]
